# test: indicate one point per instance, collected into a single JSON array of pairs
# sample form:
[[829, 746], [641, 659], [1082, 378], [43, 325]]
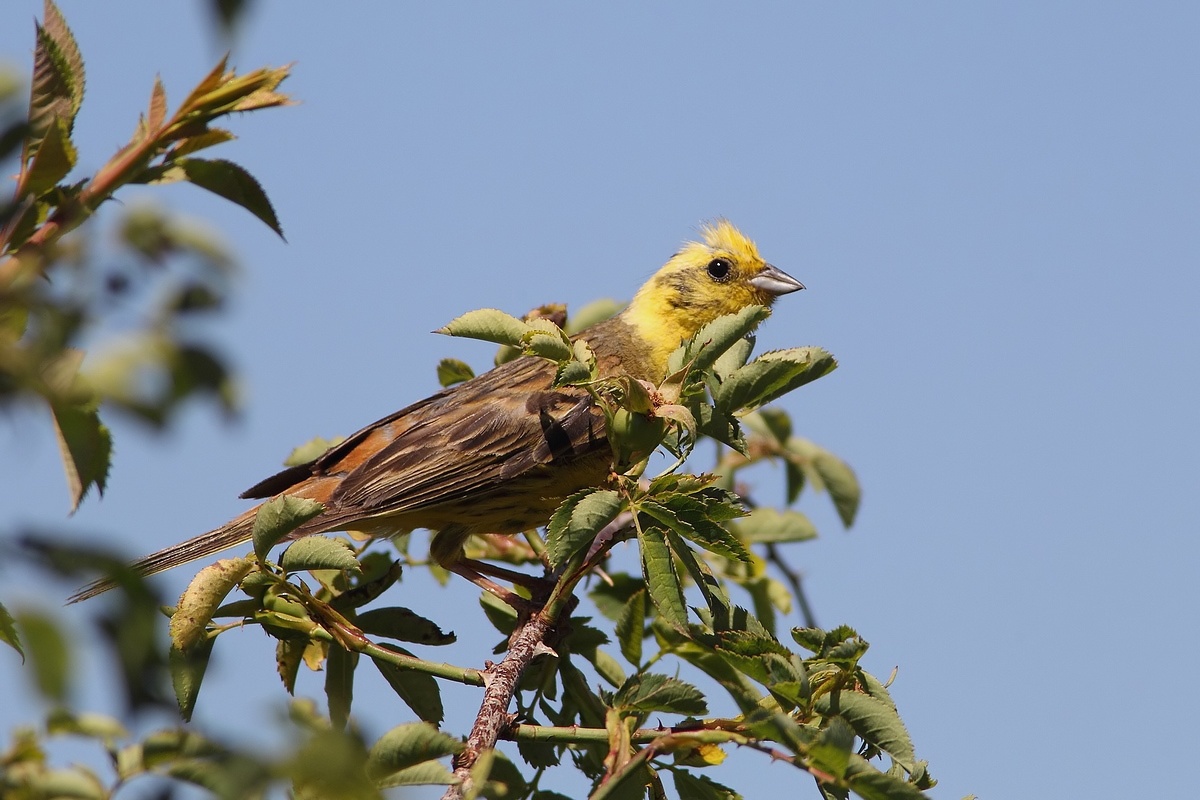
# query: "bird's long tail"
[[232, 533]]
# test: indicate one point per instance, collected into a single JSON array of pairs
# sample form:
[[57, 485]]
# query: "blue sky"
[[994, 206]]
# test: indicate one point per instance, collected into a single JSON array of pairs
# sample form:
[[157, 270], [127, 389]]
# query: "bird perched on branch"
[[499, 452]]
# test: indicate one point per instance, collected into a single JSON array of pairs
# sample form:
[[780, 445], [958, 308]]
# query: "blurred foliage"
[[705, 593], [56, 301]]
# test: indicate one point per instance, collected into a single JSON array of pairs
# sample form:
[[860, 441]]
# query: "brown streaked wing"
[[465, 441]]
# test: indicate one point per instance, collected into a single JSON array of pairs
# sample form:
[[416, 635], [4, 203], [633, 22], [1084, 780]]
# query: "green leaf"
[[451, 371], [278, 517], [606, 666], [311, 450], [187, 673], [772, 525], [100, 727], [551, 344], [502, 616], [201, 141], [718, 336], [573, 372], [339, 684], [718, 425], [771, 376], [407, 746], [85, 445], [731, 679], [403, 625], [698, 787], [590, 314], [234, 183], [687, 517], [658, 566], [55, 158], [649, 692], [795, 481], [419, 691], [631, 628], [8, 631], [577, 521], [875, 722], [318, 552], [48, 652], [831, 750], [202, 598], [58, 79], [734, 357], [871, 784], [825, 471], [488, 324]]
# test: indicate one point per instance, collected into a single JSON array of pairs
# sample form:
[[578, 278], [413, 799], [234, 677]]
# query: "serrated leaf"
[[58, 79], [85, 445], [771, 376], [403, 625], [770, 525], [202, 597], [8, 632], [712, 664], [55, 158], [210, 137], [157, 112], [687, 517], [407, 746], [289, 654], [546, 344], [648, 692], [718, 336], [871, 784], [718, 425], [573, 372], [451, 371], [187, 673], [278, 517], [419, 691], [830, 751], [430, 773], [734, 357], [661, 579], [577, 521], [875, 721], [318, 552], [630, 628], [234, 183], [488, 324]]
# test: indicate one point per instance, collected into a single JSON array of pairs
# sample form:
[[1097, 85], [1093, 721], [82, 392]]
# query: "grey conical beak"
[[775, 281]]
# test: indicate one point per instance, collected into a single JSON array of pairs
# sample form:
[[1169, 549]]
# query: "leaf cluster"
[[51, 300]]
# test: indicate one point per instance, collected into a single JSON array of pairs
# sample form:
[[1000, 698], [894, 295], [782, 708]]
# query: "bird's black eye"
[[719, 269]]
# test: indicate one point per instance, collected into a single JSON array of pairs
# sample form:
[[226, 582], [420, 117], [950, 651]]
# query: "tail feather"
[[232, 533]]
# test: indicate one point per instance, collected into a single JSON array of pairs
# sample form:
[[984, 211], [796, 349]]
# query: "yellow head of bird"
[[707, 279]]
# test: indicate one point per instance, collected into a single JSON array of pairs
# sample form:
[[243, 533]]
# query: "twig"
[[501, 684]]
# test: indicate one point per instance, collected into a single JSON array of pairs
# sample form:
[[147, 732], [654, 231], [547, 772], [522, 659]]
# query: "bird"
[[498, 453]]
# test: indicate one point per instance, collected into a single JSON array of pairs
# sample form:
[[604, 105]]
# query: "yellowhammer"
[[500, 452]]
